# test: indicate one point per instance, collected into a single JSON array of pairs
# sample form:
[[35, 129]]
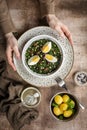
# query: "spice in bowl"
[[30, 97], [81, 78]]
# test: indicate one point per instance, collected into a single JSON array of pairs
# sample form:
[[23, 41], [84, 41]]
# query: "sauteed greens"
[[43, 56]]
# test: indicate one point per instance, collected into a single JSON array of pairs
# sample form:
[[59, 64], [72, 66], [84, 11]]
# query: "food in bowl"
[[64, 106], [30, 97], [81, 78], [43, 56]]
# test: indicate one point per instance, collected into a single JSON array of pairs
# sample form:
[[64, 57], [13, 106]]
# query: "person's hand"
[[11, 47], [56, 24]]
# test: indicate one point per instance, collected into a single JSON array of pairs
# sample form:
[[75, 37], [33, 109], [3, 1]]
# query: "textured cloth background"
[[10, 102]]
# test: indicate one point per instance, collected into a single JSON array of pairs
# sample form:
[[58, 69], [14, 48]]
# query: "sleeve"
[[47, 7], [5, 19]]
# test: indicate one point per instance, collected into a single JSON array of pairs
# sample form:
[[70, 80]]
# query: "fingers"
[[58, 29], [64, 31], [12, 47], [56, 24], [16, 51], [67, 33], [9, 58]]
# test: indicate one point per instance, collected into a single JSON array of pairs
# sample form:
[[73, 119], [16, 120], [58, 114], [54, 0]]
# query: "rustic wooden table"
[[74, 15]]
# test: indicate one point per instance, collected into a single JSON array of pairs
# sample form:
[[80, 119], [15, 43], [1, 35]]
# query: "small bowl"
[[61, 116], [27, 46], [80, 78], [30, 97]]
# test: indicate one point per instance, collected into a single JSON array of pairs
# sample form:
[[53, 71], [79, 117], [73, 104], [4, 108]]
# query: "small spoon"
[[31, 99], [36, 95]]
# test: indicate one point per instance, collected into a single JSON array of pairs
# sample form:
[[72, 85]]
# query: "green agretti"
[[43, 66]]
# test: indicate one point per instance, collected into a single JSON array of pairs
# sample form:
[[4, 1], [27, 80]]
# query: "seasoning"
[[81, 78]]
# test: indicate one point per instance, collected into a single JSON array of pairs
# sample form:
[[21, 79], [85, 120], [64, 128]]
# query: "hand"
[[11, 47], [56, 24]]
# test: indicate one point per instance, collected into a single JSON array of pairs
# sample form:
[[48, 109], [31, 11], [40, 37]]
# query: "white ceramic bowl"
[[27, 46], [80, 78], [30, 92], [76, 106]]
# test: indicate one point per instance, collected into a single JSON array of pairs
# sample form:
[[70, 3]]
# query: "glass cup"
[[30, 97]]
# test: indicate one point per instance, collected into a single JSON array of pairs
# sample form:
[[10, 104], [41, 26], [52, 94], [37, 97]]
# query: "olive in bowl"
[[64, 106], [42, 56]]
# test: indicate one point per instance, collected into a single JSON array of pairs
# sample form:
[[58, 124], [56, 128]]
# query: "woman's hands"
[[56, 24], [11, 47]]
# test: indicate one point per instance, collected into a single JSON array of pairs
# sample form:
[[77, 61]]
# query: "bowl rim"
[[29, 88], [76, 100], [29, 42]]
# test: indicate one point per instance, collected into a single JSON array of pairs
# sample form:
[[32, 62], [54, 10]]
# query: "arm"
[[5, 19], [47, 8], [7, 28]]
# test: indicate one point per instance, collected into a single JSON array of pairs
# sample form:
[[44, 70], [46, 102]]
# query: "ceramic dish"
[[30, 97], [28, 44], [80, 78], [64, 106], [64, 68]]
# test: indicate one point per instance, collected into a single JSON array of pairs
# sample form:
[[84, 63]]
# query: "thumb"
[[16, 51]]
